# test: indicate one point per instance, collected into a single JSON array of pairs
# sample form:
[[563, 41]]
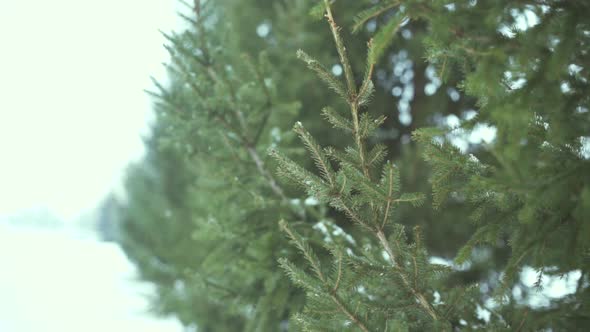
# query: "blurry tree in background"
[[496, 97]]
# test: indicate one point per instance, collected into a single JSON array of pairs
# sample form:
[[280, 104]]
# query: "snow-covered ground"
[[72, 114], [63, 280]]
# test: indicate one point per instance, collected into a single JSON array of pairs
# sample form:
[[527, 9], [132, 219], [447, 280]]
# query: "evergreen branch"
[[223, 80], [368, 125], [384, 38], [217, 286], [365, 186], [183, 72], [352, 93], [211, 72], [182, 49], [377, 154], [350, 156], [265, 173], [163, 93], [318, 155], [339, 274], [336, 119], [359, 140], [187, 18], [201, 32], [252, 153], [416, 199], [526, 312], [348, 313], [362, 126], [415, 264], [305, 249], [293, 171], [339, 203], [231, 147], [262, 124], [368, 14], [341, 50], [484, 234], [277, 190], [359, 133], [422, 301], [318, 10], [367, 88], [268, 104], [247, 145], [390, 181], [385, 244], [332, 82], [298, 276], [451, 306]]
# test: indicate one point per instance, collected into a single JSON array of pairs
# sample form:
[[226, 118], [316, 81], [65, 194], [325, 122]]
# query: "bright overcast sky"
[[71, 101]]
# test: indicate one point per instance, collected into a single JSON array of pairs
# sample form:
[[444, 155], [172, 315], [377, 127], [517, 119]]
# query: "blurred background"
[[72, 113]]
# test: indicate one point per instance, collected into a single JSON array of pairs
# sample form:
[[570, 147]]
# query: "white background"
[[72, 110], [72, 106]]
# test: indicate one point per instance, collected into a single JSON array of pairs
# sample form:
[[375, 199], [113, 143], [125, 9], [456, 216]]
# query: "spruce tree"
[[212, 221]]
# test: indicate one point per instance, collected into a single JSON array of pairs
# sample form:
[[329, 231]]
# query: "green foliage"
[[323, 73], [524, 191], [526, 185], [384, 37], [406, 281], [201, 216]]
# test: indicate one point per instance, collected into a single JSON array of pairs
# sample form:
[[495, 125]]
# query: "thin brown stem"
[[353, 215], [349, 314], [352, 92], [339, 276], [341, 51], [389, 197], [277, 190], [422, 301], [359, 140], [526, 312], [265, 173], [216, 79]]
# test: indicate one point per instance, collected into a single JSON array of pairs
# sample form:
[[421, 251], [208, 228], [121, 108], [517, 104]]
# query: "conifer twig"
[[315, 264], [265, 173], [341, 51], [353, 215], [339, 275], [526, 312], [365, 85], [419, 297], [200, 26], [389, 197], [347, 312], [354, 106], [374, 14], [250, 148], [268, 105], [352, 93], [242, 134]]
